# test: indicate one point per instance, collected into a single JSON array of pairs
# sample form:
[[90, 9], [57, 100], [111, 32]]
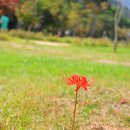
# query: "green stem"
[[73, 119]]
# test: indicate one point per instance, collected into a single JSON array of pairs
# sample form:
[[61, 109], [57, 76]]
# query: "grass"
[[18, 34], [34, 95]]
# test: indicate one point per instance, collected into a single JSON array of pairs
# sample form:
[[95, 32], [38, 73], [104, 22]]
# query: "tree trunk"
[[93, 25], [115, 37], [117, 19], [28, 30]]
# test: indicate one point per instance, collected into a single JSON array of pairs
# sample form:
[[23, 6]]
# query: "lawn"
[[34, 95]]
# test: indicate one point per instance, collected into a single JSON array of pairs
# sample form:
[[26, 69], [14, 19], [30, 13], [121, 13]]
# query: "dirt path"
[[51, 43], [114, 62]]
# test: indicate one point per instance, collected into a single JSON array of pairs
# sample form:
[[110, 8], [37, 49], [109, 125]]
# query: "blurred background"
[[83, 18]]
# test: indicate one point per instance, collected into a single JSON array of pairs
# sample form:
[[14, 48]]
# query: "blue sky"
[[127, 3]]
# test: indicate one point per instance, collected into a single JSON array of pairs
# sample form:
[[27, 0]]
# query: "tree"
[[118, 15], [95, 24], [9, 5], [27, 13], [82, 17]]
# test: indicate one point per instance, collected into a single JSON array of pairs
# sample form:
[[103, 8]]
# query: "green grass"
[[34, 94]]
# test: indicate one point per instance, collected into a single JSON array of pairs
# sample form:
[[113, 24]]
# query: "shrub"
[[4, 36], [71, 40]]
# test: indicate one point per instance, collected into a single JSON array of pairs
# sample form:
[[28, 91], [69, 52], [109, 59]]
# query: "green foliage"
[[83, 18], [26, 14], [125, 22]]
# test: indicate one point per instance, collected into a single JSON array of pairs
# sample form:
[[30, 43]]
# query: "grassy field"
[[34, 96]]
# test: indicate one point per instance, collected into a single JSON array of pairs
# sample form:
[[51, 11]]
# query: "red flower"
[[79, 81]]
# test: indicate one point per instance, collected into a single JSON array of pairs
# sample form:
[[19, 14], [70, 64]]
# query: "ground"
[[34, 95]]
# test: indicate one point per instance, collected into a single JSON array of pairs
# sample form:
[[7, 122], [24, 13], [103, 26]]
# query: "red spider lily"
[[79, 81]]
